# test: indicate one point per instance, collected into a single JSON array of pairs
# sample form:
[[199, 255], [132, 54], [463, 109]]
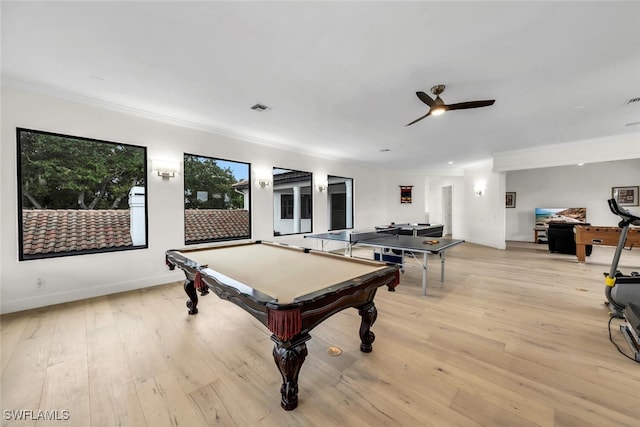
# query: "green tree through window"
[[61, 172], [214, 184], [216, 199], [74, 194]]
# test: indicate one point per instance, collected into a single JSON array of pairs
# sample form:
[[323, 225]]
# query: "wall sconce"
[[165, 168], [263, 182], [322, 185], [478, 190], [321, 182]]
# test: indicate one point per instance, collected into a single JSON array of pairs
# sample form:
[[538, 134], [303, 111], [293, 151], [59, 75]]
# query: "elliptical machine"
[[623, 292]]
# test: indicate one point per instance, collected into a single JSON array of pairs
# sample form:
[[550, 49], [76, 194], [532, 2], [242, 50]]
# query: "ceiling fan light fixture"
[[437, 106], [260, 108]]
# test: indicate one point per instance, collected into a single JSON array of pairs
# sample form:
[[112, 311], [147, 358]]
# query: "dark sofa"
[[562, 239]]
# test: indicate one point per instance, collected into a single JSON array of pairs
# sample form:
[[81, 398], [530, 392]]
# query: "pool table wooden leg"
[[369, 314], [190, 289], [289, 357]]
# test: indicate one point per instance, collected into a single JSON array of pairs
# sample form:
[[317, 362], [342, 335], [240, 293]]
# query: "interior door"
[[447, 208]]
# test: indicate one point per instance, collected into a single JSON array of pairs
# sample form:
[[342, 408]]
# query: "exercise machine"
[[623, 291]]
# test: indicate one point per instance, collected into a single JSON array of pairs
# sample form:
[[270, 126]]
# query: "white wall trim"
[[619, 147], [37, 301]]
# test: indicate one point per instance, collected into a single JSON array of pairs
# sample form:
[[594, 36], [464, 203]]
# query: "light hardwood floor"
[[514, 337]]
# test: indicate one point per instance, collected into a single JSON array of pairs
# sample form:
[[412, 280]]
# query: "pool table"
[[288, 289]]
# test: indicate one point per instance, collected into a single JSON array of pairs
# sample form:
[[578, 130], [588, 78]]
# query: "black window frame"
[[22, 256], [339, 181], [249, 202], [284, 176]]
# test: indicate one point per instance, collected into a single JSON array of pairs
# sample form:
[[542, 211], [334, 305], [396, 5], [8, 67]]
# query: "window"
[[216, 199], [306, 206], [286, 206], [340, 199], [78, 195], [292, 202]]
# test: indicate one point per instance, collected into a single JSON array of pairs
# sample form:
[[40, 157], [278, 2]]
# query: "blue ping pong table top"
[[411, 243]]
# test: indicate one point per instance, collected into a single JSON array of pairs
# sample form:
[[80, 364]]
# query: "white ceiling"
[[341, 77]]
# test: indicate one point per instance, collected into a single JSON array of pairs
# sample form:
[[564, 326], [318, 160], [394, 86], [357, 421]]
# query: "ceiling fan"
[[437, 106]]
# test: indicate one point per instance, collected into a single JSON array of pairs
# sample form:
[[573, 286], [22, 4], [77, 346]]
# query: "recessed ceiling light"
[[580, 164], [450, 162], [260, 108]]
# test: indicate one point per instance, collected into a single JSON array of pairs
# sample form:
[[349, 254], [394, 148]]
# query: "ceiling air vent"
[[633, 101], [260, 108]]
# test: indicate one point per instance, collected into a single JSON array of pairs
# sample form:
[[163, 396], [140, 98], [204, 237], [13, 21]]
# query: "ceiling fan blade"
[[470, 104], [418, 119], [426, 99]]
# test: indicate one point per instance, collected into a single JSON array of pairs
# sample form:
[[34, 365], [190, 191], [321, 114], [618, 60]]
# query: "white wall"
[[376, 198], [475, 219], [485, 213], [482, 220], [376, 202], [588, 186], [436, 184], [405, 212]]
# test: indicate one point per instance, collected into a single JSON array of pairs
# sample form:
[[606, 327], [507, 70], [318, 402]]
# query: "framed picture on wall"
[[405, 193], [625, 196], [510, 199]]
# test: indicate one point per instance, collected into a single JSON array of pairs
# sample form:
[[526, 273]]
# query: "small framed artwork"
[[405, 193], [511, 199], [625, 196]]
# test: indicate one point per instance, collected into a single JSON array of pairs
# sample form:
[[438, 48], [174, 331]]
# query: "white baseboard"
[[37, 301]]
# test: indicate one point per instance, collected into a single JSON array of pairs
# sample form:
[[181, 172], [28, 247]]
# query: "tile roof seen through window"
[[46, 231], [68, 230], [215, 224]]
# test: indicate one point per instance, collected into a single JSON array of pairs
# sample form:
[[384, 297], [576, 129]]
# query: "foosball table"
[[602, 236]]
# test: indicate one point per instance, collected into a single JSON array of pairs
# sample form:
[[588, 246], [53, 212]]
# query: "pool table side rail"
[[206, 277], [195, 271], [317, 310], [306, 311], [253, 304]]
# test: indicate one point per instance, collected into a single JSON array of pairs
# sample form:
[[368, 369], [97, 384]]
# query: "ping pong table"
[[389, 246], [414, 229]]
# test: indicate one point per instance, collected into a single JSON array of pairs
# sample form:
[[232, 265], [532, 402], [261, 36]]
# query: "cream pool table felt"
[[281, 272]]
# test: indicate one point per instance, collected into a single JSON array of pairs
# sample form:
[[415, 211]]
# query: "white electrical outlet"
[[39, 283]]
